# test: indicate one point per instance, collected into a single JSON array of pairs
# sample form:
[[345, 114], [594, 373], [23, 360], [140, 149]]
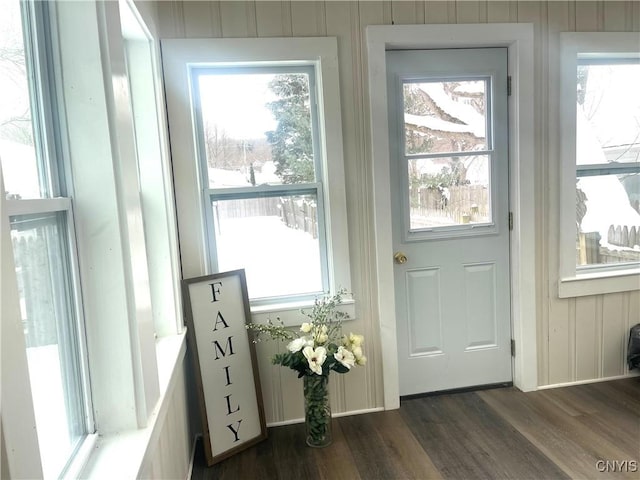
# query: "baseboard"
[[333, 415], [193, 456], [592, 380]]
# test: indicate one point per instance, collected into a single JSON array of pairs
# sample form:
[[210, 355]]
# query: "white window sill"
[[597, 283], [289, 313], [122, 454]]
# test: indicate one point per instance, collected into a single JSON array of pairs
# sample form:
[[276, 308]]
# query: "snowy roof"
[[473, 121]]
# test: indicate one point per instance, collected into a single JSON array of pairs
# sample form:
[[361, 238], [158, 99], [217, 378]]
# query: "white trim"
[[177, 56], [573, 283], [597, 283], [518, 38], [333, 415], [81, 457], [290, 313], [37, 205], [587, 382], [125, 454]]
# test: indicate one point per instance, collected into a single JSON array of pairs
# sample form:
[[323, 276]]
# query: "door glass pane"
[[17, 148], [608, 216], [275, 239], [50, 334], [446, 191], [257, 128], [445, 116], [608, 113]]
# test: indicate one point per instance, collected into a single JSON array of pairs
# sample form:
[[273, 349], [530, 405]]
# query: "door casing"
[[518, 38], [468, 341]]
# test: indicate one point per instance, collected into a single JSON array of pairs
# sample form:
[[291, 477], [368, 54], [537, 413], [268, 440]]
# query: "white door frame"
[[518, 38]]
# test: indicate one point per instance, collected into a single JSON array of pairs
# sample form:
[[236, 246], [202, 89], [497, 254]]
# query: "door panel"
[[423, 315], [449, 188]]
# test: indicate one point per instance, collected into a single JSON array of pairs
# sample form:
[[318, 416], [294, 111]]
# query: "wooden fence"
[[456, 204], [248, 207], [624, 236], [590, 251], [37, 295], [300, 214], [295, 212]]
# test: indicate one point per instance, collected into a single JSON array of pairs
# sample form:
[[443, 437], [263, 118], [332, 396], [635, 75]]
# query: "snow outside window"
[[600, 159], [42, 237], [608, 161], [262, 165]]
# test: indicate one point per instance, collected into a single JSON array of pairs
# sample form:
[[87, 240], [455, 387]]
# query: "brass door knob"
[[399, 258]]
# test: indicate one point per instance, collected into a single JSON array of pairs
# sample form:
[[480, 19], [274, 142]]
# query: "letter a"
[[220, 319]]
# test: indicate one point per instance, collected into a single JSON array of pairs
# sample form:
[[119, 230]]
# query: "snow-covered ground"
[[278, 260], [48, 402]]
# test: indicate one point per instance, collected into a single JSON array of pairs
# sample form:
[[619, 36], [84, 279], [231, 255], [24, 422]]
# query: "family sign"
[[217, 311]]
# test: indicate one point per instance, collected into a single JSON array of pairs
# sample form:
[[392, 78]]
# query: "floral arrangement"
[[319, 346]]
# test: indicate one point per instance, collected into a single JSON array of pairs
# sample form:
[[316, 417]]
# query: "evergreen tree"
[[291, 141]]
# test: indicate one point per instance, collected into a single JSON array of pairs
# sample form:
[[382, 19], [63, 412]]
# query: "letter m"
[[223, 351]]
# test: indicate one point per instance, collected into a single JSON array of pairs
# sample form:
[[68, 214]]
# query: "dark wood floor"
[[501, 433]]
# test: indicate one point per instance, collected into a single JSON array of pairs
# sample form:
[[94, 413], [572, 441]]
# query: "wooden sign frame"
[[224, 360]]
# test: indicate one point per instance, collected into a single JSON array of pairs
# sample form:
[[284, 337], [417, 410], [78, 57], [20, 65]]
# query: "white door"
[[449, 188]]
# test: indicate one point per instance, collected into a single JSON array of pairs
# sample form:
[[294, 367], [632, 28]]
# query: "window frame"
[[591, 280], [211, 195], [55, 193], [178, 55], [459, 229]]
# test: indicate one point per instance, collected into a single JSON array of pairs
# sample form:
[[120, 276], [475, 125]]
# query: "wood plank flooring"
[[499, 433]]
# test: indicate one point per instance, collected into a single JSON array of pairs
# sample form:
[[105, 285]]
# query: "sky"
[[238, 104]]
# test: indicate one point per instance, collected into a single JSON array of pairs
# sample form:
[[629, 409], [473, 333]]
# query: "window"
[[607, 161], [448, 149], [41, 222], [260, 159], [264, 150], [604, 155]]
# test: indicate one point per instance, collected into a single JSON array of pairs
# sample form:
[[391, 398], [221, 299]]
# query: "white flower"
[[361, 360], [357, 352], [321, 338], [306, 327], [298, 344], [315, 358], [356, 340], [345, 357]]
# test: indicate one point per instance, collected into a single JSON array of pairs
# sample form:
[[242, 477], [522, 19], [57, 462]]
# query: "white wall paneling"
[[577, 338]]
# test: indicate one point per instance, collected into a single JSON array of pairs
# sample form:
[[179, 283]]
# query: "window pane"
[[17, 148], [274, 239], [257, 128], [608, 113], [441, 117], [447, 191], [608, 216], [51, 336]]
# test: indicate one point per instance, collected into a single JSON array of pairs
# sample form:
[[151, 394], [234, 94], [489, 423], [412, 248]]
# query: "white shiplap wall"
[[578, 339]]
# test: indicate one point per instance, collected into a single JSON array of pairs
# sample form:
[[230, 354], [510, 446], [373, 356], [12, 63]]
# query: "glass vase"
[[317, 411]]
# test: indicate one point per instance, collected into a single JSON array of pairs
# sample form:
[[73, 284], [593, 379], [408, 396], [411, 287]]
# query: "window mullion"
[[37, 205], [606, 169], [263, 191]]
